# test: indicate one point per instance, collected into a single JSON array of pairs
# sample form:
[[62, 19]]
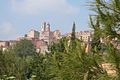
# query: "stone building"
[[40, 45], [47, 35], [85, 36], [12, 42], [41, 39], [4, 44], [32, 34]]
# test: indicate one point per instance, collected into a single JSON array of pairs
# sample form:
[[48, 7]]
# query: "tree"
[[73, 38], [38, 68], [74, 64], [24, 48], [108, 16], [2, 63], [15, 61], [97, 34], [23, 52], [12, 66], [108, 13], [58, 46]]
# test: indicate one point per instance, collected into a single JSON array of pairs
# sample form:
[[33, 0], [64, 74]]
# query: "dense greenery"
[[106, 25], [24, 48], [68, 59]]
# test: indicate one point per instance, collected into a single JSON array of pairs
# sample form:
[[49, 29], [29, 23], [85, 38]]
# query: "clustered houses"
[[41, 39], [44, 37], [6, 44], [85, 37]]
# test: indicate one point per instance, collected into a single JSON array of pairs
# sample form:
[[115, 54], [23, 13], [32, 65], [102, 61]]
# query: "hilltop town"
[[47, 54], [43, 38]]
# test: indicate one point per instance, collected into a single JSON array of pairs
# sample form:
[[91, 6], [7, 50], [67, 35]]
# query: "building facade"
[[85, 36], [6, 44], [32, 34], [47, 35], [42, 39]]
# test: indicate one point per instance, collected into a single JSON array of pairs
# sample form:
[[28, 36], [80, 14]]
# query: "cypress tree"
[[73, 37], [73, 32]]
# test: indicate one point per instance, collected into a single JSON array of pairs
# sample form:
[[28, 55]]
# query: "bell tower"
[[45, 32]]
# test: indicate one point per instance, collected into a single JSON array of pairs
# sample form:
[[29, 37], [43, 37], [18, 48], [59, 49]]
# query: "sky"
[[17, 17]]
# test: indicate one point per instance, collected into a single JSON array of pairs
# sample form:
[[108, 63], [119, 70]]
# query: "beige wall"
[[85, 36], [4, 44], [33, 34]]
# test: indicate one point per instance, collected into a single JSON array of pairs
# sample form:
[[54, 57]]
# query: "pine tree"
[[108, 16]]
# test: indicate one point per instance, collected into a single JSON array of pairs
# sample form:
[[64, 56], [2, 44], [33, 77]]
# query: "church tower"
[[45, 32], [48, 27], [43, 27]]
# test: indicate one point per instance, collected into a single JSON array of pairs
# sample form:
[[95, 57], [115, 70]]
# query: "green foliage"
[[97, 34], [75, 65], [59, 46], [73, 32], [106, 24], [73, 38], [24, 48], [38, 68], [108, 15], [2, 63], [12, 65], [69, 61]]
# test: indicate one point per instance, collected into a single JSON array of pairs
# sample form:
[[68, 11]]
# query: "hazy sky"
[[17, 17]]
